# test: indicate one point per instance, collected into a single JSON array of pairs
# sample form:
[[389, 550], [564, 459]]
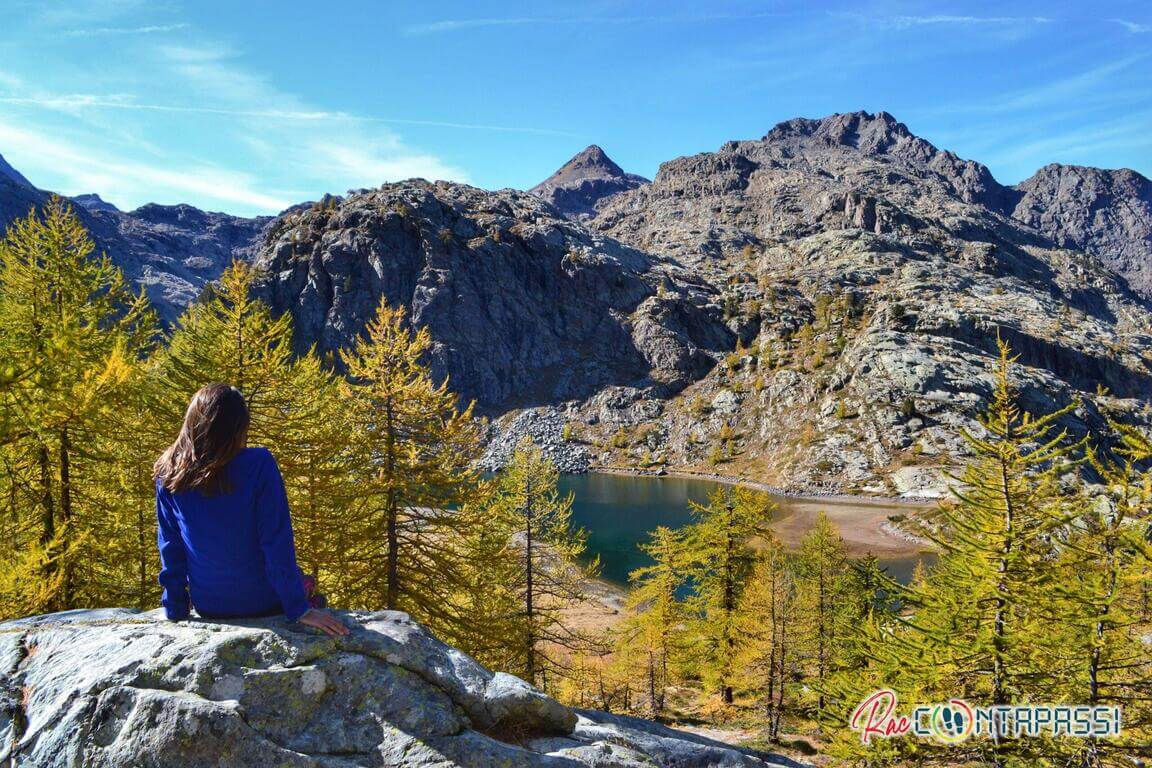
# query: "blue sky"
[[249, 107]]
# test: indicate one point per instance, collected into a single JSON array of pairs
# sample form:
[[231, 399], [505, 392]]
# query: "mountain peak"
[[94, 202], [592, 162], [593, 159], [584, 180], [10, 173], [866, 131]]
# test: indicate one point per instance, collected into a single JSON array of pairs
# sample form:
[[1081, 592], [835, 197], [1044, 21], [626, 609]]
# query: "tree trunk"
[[529, 589], [67, 589], [392, 597]]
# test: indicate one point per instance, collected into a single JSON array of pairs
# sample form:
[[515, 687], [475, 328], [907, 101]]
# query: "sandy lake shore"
[[863, 521]]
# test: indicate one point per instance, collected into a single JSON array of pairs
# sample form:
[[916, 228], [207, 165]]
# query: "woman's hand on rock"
[[323, 621]]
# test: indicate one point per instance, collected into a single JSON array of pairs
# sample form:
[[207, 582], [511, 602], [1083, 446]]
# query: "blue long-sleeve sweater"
[[230, 554]]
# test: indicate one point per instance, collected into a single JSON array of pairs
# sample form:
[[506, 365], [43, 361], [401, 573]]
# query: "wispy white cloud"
[[1094, 84], [455, 25], [149, 29], [121, 179], [1128, 135], [1135, 28], [270, 138], [947, 20], [74, 101]]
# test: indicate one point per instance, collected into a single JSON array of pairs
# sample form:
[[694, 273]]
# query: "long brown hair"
[[215, 430]]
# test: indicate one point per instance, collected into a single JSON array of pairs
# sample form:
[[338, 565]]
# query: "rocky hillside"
[[1105, 213], [816, 308], [525, 308], [114, 687], [867, 274], [171, 251], [580, 185]]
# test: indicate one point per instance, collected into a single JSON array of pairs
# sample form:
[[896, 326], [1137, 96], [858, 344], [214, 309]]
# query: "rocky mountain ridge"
[[1102, 212], [814, 308], [170, 251], [116, 687]]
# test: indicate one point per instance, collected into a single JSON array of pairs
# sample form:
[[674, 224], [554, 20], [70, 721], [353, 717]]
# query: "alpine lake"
[[618, 511]]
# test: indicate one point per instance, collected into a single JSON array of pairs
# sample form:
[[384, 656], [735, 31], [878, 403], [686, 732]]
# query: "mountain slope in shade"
[[584, 181], [10, 173], [94, 202], [1105, 213], [171, 251]]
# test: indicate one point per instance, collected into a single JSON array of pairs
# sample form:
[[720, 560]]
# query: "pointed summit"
[[589, 177], [592, 162]]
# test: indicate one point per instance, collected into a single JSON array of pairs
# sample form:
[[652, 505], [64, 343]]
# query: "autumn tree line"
[[388, 508], [1042, 592]]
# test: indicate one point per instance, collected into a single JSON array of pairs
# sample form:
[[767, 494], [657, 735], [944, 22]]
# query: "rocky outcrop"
[[852, 277], [846, 171], [524, 308], [581, 184], [1105, 213], [114, 687], [868, 275]]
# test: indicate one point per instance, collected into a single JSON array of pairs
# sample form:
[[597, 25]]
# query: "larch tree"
[[718, 558], [230, 336], [824, 598], [768, 619], [551, 577], [415, 476], [650, 639], [73, 332], [1105, 559], [973, 629]]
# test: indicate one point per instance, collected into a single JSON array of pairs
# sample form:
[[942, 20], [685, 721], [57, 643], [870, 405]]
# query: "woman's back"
[[232, 549]]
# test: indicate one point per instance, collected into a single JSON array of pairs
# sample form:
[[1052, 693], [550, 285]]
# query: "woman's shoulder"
[[254, 455]]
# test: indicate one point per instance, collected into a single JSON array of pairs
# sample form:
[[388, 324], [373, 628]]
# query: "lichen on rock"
[[118, 687]]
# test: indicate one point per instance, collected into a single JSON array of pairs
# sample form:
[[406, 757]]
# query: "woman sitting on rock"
[[225, 534]]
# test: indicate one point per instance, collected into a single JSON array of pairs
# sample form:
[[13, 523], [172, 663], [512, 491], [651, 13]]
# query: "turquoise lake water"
[[618, 512]]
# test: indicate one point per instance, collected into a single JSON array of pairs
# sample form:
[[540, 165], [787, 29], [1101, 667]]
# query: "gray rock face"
[[113, 688], [609, 305], [581, 184], [173, 251], [1105, 213], [858, 171], [524, 308], [854, 208]]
